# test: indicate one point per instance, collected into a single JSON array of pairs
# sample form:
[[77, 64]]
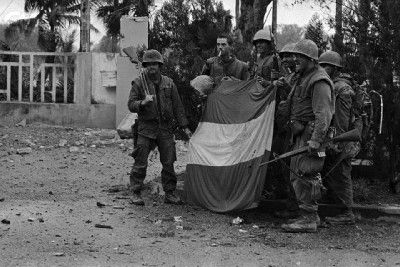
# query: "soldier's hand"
[[147, 99], [313, 146], [188, 132], [281, 82], [263, 81]]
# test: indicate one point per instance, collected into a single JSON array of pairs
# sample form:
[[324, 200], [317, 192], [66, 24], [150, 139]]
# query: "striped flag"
[[232, 139]]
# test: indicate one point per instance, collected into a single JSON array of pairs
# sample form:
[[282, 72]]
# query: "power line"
[[9, 4]]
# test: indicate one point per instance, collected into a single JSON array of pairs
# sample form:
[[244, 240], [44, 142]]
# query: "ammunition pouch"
[[296, 127]]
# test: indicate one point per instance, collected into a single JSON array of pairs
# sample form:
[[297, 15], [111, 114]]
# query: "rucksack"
[[362, 108]]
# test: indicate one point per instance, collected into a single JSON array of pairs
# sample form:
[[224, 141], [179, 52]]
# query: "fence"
[[37, 77]]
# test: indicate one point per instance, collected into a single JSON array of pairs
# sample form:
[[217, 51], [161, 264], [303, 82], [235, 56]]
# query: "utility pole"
[[274, 16], [85, 26]]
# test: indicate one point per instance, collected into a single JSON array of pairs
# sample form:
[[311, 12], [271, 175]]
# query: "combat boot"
[[286, 214], [136, 199], [344, 218], [306, 223], [171, 198]]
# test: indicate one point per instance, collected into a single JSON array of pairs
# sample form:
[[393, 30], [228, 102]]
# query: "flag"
[[233, 137]]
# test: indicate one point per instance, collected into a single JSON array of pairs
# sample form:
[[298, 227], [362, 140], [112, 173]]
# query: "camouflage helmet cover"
[[306, 48], [152, 56], [262, 35], [331, 58]]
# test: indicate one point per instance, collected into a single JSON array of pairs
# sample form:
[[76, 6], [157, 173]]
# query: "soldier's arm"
[[322, 104], [343, 104], [134, 98], [245, 72], [206, 68], [178, 109]]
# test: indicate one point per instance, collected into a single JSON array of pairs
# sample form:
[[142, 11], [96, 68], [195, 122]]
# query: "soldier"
[[160, 111], [285, 84], [338, 161], [266, 65], [225, 64], [311, 106]]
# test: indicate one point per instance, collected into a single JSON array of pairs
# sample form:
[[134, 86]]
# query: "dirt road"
[[66, 182]]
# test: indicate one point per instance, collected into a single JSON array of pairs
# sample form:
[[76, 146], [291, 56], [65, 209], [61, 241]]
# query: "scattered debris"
[[28, 142], [74, 149], [100, 205], [21, 123], [178, 219], [5, 221], [62, 143], [24, 151], [59, 254], [41, 220], [179, 227], [237, 221], [104, 226]]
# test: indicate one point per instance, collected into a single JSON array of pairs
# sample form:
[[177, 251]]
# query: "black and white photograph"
[[200, 133]]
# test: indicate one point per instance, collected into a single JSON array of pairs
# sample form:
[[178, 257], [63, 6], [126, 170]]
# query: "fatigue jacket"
[[217, 69], [312, 100], [344, 94], [164, 114]]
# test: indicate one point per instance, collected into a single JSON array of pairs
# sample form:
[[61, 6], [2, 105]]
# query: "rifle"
[[353, 135]]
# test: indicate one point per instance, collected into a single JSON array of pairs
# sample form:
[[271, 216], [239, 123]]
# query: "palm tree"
[[52, 16], [111, 11]]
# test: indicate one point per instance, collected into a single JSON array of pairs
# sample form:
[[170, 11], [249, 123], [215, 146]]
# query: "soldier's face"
[[153, 68], [329, 69], [302, 63], [288, 61], [263, 47], [223, 47]]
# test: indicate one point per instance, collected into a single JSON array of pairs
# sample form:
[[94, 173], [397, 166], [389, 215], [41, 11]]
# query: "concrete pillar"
[[135, 32], [83, 79]]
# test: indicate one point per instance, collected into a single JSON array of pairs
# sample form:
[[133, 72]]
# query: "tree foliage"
[[53, 16], [315, 32], [251, 19], [288, 33]]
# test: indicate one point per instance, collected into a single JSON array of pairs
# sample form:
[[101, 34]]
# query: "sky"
[[11, 10]]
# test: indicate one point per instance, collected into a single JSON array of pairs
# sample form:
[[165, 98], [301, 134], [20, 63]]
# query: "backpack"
[[362, 109]]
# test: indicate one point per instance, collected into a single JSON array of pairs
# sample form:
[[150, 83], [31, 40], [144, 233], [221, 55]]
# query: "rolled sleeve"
[[134, 98], [322, 104], [179, 110]]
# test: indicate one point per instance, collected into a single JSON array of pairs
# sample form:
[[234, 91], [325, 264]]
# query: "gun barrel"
[[353, 135]]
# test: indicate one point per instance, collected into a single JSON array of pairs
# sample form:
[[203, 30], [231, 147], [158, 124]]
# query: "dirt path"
[[51, 196]]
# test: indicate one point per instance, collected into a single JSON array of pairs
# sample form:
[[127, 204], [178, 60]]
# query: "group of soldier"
[[314, 99]]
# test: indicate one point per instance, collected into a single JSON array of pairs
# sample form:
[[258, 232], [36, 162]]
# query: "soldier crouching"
[[156, 100]]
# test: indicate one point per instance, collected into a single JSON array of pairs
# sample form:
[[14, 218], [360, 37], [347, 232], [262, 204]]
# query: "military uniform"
[[311, 110], [339, 182], [218, 69], [156, 122]]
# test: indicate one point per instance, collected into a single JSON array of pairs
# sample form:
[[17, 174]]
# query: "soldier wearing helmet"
[[225, 64], [155, 99], [266, 65], [338, 161], [310, 110]]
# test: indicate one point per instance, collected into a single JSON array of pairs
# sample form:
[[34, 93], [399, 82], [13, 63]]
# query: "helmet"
[[306, 48], [331, 58], [262, 35], [152, 56], [288, 48]]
